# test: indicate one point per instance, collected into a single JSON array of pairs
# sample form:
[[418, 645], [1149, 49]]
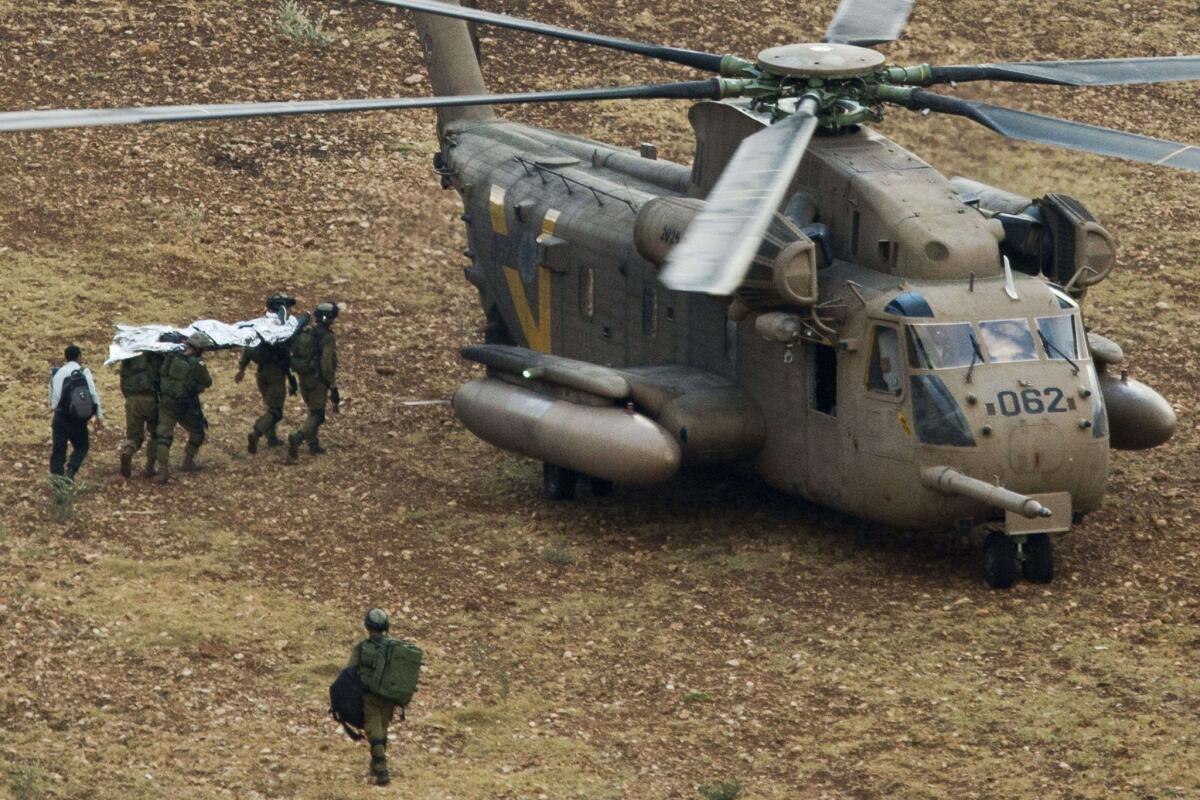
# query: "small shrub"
[[725, 790], [62, 498], [293, 21], [505, 684], [24, 782], [556, 555], [696, 697]]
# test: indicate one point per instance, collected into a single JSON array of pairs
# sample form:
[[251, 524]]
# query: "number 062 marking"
[[1050, 400]]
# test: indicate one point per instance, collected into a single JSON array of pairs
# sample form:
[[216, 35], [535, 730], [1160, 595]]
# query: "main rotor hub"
[[820, 60]]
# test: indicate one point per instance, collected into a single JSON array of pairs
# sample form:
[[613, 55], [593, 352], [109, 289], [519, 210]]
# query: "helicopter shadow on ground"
[[717, 506]]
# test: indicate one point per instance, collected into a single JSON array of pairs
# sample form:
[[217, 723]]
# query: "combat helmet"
[[201, 340], [279, 300], [326, 312], [376, 620]]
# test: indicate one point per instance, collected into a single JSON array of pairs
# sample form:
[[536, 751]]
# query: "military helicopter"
[[807, 298]]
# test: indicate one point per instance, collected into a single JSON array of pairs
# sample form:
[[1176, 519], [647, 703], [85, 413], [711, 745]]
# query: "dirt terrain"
[[177, 642]]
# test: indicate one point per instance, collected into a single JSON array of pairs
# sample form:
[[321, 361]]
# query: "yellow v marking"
[[537, 333]]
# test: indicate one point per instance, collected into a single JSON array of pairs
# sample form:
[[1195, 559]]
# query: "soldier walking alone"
[[139, 385], [389, 670], [272, 374], [74, 401], [181, 380], [314, 359]]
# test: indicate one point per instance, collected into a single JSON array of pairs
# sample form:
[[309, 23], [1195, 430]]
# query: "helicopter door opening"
[[824, 463], [822, 379]]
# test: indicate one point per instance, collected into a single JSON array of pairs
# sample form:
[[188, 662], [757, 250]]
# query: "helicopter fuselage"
[[850, 412]]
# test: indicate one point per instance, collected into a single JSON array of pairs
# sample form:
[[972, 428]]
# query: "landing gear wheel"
[[601, 487], [999, 560], [1037, 558], [559, 482]]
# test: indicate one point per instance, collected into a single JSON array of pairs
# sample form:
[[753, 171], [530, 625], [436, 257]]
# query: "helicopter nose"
[[1037, 448]]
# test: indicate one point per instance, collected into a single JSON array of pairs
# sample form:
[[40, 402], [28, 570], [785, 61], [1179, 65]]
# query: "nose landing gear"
[[1002, 553], [1037, 558]]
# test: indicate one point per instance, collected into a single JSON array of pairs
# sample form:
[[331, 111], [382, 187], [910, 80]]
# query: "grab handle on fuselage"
[[950, 481]]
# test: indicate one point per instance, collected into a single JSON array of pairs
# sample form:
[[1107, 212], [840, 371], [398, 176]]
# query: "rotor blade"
[[1098, 72], [1063, 133], [81, 118], [720, 242], [710, 62], [867, 22]]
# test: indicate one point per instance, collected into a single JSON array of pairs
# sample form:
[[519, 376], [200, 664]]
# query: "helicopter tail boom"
[[453, 65]]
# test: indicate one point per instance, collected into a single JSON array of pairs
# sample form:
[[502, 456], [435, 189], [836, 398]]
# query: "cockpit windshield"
[[941, 346], [1008, 340], [1060, 337]]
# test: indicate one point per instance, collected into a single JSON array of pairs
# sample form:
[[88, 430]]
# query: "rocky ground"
[[178, 641]]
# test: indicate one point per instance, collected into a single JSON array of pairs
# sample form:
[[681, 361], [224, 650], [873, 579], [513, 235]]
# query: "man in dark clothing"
[[74, 400], [272, 375]]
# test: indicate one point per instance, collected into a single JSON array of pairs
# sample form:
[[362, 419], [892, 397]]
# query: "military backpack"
[[139, 375], [389, 668], [306, 352], [177, 380]]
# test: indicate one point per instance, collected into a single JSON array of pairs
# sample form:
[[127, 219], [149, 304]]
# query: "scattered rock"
[[414, 79]]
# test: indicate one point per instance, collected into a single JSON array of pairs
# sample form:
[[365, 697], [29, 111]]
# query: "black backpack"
[[346, 702], [76, 399]]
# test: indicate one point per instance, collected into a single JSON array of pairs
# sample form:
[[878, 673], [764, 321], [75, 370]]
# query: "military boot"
[[126, 461], [314, 447], [273, 439], [189, 459], [379, 767], [294, 447], [164, 472], [252, 442], [149, 470]]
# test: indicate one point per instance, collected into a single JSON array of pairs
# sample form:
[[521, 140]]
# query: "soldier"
[[139, 385], [271, 374], [377, 712], [314, 359], [181, 380]]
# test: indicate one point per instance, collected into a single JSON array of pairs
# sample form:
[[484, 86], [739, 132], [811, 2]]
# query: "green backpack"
[[390, 668], [306, 352], [139, 375], [176, 381]]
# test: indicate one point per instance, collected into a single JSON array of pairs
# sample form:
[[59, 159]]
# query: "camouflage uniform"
[[139, 385], [377, 716], [271, 376], [182, 378], [317, 369]]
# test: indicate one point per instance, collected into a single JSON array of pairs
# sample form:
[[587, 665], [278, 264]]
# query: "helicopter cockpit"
[[948, 365]]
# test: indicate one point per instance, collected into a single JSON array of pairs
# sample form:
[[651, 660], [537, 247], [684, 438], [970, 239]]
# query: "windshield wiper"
[[1050, 346], [976, 356]]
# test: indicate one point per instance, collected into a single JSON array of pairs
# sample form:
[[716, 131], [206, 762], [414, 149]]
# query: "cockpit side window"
[[1008, 340], [1061, 339], [883, 372], [941, 346]]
